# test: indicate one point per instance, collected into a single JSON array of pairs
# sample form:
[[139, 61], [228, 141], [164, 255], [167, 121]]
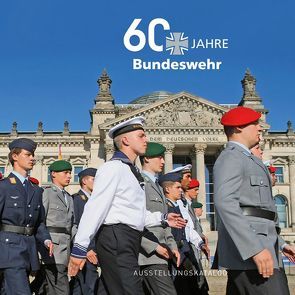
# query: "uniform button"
[[38, 206], [30, 215], [57, 207], [6, 240], [29, 206], [261, 182], [27, 225], [15, 204]]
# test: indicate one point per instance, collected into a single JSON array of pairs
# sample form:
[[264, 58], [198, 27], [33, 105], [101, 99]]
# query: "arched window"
[[282, 204]]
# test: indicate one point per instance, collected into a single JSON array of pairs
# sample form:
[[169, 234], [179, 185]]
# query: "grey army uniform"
[[58, 213], [153, 236], [148, 259], [241, 179]]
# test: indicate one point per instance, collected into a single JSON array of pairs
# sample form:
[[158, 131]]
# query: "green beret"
[[154, 149], [197, 205], [60, 165]]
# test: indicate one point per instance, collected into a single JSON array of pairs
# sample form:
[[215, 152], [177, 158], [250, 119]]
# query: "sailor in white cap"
[[117, 212], [183, 169]]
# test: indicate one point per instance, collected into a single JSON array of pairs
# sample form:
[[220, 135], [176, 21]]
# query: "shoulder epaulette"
[[12, 180], [83, 197], [47, 186]]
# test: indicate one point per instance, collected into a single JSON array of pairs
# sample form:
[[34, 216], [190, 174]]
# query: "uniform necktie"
[[65, 196], [157, 184], [26, 185]]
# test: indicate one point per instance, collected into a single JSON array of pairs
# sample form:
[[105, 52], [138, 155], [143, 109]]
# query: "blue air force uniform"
[[21, 224], [24, 210], [86, 282]]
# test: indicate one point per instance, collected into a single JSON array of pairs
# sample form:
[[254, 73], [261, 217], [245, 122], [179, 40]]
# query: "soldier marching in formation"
[[141, 229]]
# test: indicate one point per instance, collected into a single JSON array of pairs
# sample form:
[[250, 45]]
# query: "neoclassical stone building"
[[188, 125]]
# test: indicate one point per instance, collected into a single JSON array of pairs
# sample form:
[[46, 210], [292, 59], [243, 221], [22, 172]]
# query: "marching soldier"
[[157, 243], [185, 284], [190, 189], [86, 282], [59, 212], [21, 220], [117, 210], [247, 238], [191, 195], [198, 209], [272, 171]]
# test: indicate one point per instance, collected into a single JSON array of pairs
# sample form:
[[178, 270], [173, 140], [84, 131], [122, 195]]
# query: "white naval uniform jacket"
[[117, 197]]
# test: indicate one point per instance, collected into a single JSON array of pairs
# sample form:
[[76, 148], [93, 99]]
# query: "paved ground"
[[217, 282]]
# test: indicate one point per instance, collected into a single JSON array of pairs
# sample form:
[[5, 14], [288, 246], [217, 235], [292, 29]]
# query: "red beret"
[[272, 169], [1, 175], [240, 116], [194, 183]]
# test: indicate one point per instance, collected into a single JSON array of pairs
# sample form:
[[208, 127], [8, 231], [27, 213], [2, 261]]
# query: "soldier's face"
[[88, 182], [174, 191], [155, 164], [198, 211], [251, 134], [186, 179], [62, 178], [273, 178], [24, 160], [193, 193], [137, 141], [257, 151]]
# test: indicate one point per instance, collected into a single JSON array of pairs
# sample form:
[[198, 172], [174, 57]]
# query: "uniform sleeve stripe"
[[79, 251]]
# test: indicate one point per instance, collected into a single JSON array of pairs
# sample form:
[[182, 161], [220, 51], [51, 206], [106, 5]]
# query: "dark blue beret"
[[23, 143], [174, 177], [87, 172]]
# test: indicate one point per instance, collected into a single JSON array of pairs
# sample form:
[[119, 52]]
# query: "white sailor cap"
[[127, 126], [182, 169]]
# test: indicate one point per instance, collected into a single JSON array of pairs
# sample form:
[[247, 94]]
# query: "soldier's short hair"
[[16, 151], [165, 184], [229, 130]]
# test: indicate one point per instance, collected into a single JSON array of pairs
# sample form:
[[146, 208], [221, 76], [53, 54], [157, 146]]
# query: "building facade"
[[187, 125]]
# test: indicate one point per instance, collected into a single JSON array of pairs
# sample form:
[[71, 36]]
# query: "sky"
[[52, 53]]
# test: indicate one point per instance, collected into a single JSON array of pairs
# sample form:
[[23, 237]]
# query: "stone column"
[[292, 189], [193, 157], [37, 171], [109, 150], [200, 172], [169, 157]]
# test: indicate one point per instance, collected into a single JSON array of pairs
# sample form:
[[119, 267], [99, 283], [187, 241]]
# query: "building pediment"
[[181, 110]]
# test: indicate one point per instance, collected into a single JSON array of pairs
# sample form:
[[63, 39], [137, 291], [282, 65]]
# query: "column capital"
[[291, 160], [200, 148], [39, 159], [169, 147], [109, 148]]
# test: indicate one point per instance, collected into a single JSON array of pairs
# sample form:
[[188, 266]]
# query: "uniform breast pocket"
[[156, 202], [57, 208], [37, 207], [261, 188], [14, 207]]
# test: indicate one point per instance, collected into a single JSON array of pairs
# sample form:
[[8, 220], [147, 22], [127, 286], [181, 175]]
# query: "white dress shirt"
[[117, 197], [191, 235]]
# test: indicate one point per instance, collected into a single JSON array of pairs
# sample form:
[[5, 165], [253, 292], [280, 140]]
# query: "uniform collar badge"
[[83, 197], [12, 180]]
